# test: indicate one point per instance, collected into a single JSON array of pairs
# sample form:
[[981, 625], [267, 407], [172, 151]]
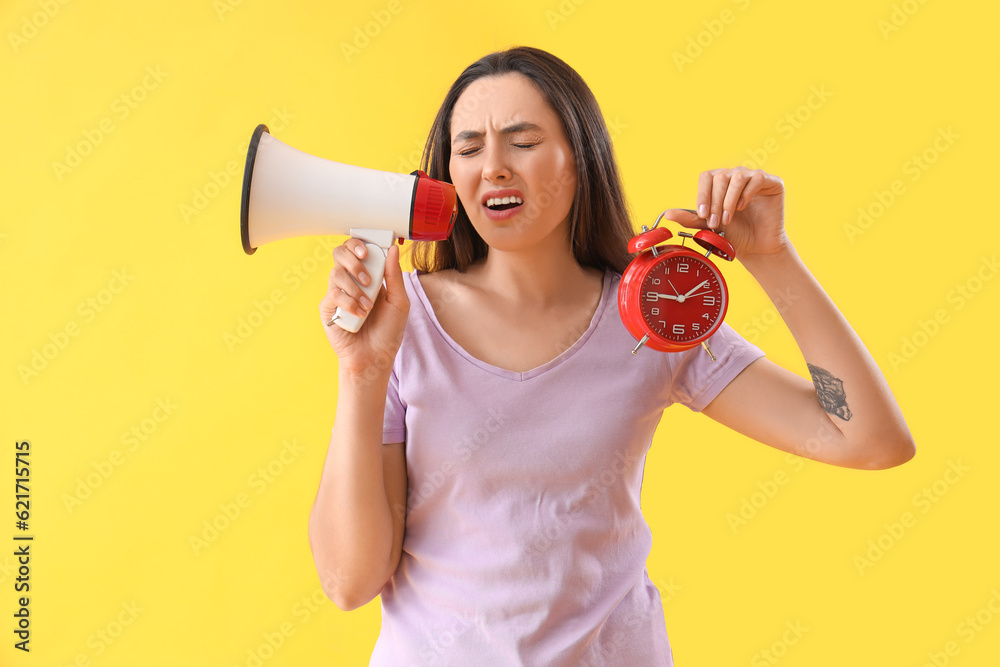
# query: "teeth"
[[498, 201]]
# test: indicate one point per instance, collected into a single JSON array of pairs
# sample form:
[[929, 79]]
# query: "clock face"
[[683, 298]]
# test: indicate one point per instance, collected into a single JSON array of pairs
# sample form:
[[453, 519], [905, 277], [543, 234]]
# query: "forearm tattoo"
[[830, 392]]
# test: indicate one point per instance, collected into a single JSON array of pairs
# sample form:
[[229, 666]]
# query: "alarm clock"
[[671, 297]]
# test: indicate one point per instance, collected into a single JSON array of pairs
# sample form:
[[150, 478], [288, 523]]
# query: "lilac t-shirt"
[[525, 543]]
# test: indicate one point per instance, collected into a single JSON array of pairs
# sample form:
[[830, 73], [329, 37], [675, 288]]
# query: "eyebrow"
[[512, 129]]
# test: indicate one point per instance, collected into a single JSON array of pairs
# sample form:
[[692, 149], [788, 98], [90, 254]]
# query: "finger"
[[342, 282], [357, 246], [762, 183], [351, 275], [737, 184], [704, 198], [394, 288], [327, 308], [685, 217], [335, 299], [329, 304], [344, 292], [755, 181], [348, 256], [720, 184]]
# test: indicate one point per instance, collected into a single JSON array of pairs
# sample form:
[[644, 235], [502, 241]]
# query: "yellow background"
[[158, 99]]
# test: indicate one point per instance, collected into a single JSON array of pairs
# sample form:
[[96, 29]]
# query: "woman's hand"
[[373, 348], [747, 204]]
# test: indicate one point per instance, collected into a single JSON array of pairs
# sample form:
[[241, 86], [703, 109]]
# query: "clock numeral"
[[663, 325], [683, 268], [705, 315], [709, 300], [652, 296], [696, 326], [678, 330], [655, 281], [654, 311]]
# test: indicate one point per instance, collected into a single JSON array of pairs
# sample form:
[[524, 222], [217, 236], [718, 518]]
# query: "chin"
[[526, 230]]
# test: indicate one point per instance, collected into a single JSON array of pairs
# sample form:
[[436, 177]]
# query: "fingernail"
[[363, 277], [713, 221], [366, 302], [360, 251], [725, 217], [703, 211]]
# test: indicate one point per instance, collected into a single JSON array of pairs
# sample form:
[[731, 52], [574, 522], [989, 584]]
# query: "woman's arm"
[[355, 535], [357, 520], [847, 416]]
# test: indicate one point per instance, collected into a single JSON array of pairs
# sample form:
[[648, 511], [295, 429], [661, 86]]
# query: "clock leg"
[[641, 343], [709, 350]]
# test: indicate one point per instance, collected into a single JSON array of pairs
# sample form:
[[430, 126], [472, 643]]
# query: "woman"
[[491, 406]]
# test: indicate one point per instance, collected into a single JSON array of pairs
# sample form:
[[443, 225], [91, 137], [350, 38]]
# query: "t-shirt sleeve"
[[696, 380], [394, 420]]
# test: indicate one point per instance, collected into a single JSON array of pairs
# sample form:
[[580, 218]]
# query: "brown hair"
[[600, 226]]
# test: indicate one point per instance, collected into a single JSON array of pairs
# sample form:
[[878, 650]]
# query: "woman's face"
[[507, 142]]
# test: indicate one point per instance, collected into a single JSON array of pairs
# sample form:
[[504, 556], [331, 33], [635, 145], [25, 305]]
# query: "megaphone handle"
[[374, 263]]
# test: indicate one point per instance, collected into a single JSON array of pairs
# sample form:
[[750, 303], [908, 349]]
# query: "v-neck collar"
[[418, 289]]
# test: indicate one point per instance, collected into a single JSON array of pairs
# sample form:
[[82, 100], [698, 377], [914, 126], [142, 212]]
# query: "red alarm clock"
[[672, 298]]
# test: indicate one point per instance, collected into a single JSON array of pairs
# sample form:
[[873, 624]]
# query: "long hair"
[[600, 226]]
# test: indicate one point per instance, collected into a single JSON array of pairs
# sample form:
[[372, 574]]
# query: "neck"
[[541, 276]]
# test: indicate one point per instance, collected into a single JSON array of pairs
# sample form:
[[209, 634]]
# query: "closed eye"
[[472, 151]]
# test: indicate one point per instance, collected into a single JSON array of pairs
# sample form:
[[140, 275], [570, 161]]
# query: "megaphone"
[[288, 193]]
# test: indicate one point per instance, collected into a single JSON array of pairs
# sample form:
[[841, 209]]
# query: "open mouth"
[[503, 203]]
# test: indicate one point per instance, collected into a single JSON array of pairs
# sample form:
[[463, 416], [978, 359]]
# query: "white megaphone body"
[[288, 193]]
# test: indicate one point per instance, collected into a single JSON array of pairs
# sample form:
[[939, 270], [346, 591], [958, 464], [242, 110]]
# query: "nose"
[[495, 166]]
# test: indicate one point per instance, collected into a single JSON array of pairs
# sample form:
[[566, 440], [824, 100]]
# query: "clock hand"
[[673, 288], [694, 289], [664, 296]]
